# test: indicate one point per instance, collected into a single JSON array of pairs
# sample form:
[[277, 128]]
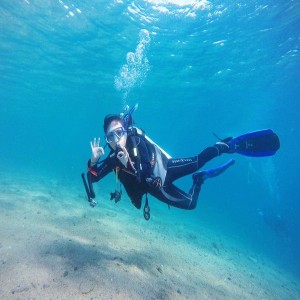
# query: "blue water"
[[227, 67]]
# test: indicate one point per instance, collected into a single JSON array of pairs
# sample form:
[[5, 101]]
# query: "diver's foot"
[[223, 146], [201, 176]]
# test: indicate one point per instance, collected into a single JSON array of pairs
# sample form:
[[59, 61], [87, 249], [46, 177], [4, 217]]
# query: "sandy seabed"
[[54, 246]]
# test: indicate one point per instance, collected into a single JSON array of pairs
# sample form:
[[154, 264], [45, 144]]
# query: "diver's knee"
[[193, 204]]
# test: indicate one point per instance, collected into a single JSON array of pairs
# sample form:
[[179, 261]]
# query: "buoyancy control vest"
[[158, 157]]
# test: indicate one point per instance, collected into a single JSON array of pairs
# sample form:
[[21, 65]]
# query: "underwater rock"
[[162, 294], [192, 236], [86, 286], [111, 214], [20, 289], [40, 198], [216, 248], [253, 259]]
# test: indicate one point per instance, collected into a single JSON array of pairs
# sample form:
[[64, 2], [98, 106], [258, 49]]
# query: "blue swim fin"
[[258, 143], [201, 176], [218, 170]]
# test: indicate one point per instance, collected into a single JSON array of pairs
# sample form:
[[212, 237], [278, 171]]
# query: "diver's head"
[[115, 133]]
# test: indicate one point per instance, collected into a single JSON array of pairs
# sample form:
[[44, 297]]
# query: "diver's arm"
[[98, 172], [94, 174]]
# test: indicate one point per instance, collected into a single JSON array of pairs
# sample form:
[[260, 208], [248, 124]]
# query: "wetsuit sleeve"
[[98, 172]]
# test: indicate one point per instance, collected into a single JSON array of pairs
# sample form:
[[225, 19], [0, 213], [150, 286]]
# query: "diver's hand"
[[97, 151], [123, 156], [154, 182]]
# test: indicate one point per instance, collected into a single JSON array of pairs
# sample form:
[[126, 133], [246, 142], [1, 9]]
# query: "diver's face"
[[116, 135]]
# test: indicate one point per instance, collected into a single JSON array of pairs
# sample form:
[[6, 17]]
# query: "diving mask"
[[115, 135]]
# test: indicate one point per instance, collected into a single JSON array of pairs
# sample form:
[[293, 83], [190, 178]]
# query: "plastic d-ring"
[[146, 216], [146, 210]]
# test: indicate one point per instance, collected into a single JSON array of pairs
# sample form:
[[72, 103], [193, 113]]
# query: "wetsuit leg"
[[177, 168], [180, 167], [174, 196]]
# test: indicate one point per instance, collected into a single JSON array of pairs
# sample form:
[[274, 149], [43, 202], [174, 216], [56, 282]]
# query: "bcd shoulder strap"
[[150, 147]]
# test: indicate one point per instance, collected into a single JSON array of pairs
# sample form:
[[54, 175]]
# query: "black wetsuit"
[[151, 161]]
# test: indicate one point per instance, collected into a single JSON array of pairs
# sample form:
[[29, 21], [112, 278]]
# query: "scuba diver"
[[275, 221], [143, 168]]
